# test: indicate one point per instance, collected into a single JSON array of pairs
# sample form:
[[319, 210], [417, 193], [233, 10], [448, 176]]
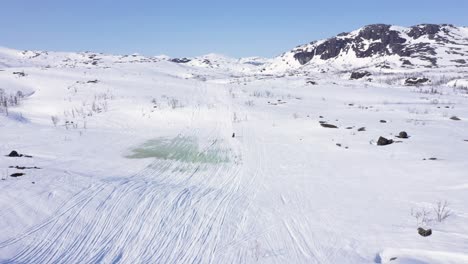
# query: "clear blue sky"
[[189, 28]]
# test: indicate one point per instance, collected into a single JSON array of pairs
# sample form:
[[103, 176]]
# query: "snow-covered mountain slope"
[[381, 46], [134, 159]]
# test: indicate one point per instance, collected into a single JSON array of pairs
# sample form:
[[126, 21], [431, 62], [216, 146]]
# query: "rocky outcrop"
[[180, 60], [417, 42], [416, 81], [359, 75]]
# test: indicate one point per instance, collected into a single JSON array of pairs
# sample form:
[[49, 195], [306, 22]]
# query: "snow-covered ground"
[[143, 160]]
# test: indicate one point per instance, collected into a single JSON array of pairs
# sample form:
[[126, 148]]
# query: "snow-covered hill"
[[136, 159], [381, 46]]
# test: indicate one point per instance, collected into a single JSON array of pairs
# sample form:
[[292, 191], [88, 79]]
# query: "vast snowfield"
[[143, 160]]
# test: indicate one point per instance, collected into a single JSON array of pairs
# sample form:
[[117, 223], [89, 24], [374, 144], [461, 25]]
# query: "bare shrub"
[[442, 211], [55, 120], [174, 103], [249, 103], [9, 100], [426, 215], [422, 216]]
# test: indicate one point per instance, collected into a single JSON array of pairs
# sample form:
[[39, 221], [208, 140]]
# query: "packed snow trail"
[[171, 212], [160, 215]]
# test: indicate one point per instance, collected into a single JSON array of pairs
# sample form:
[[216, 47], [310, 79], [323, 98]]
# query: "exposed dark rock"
[[403, 134], [407, 63], [20, 74], [461, 61], [455, 118], [331, 48], [24, 168], [423, 232], [361, 129], [383, 141], [14, 153], [180, 60], [359, 75], [17, 174], [383, 121], [311, 82], [432, 60], [304, 57], [93, 81], [416, 81], [424, 30], [328, 125]]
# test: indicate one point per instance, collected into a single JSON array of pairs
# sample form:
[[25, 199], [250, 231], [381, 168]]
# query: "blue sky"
[[189, 28]]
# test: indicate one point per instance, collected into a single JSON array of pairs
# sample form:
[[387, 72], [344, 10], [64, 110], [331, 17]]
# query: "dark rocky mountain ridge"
[[420, 44]]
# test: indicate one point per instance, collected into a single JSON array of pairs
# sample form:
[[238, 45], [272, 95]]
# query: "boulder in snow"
[[383, 141], [424, 232]]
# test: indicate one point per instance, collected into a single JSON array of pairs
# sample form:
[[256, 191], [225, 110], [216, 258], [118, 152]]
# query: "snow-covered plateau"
[[136, 159]]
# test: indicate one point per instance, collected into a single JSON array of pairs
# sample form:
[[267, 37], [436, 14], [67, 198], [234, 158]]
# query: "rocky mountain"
[[381, 46]]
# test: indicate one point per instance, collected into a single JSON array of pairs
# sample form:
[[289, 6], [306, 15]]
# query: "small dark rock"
[[394, 258], [312, 82], [456, 118], [14, 153], [233, 135], [328, 125], [349, 128], [93, 81], [402, 134], [17, 174], [361, 129], [383, 141], [383, 121], [423, 232]]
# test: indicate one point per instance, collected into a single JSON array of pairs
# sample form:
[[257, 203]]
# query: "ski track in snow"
[[179, 214]]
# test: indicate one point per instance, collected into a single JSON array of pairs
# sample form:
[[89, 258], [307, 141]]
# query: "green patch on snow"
[[184, 149]]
